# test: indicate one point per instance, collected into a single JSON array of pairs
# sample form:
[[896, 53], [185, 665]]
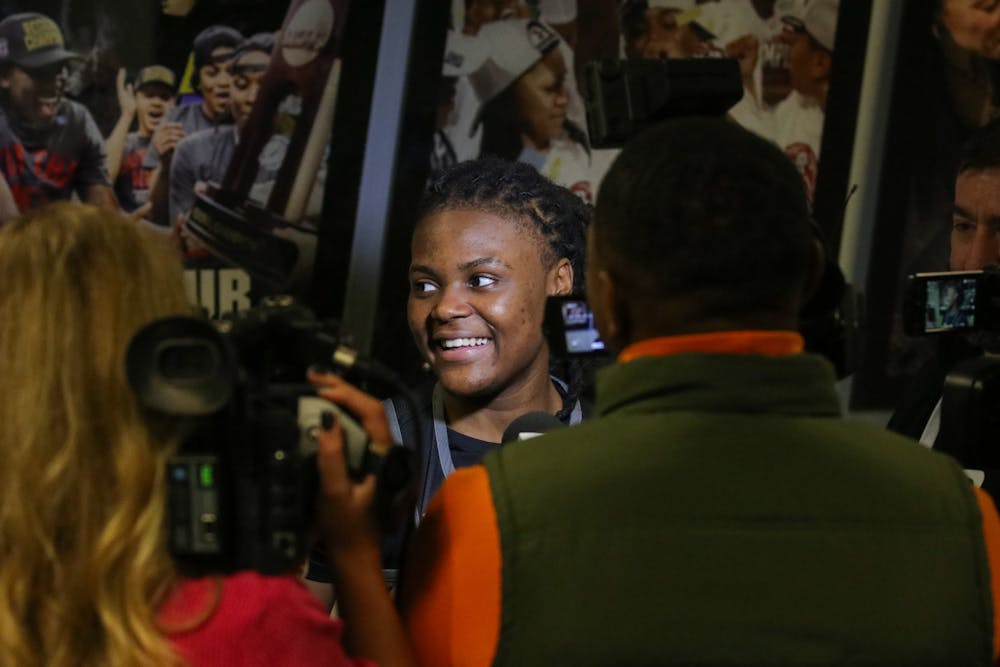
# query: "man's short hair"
[[701, 207], [982, 149]]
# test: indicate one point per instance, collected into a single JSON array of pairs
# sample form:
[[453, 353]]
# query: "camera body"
[[624, 96], [952, 301], [242, 487], [964, 302]]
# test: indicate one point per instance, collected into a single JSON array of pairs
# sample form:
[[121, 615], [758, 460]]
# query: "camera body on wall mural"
[[511, 77], [206, 110]]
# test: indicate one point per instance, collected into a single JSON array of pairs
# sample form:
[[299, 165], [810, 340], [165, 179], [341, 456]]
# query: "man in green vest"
[[718, 510]]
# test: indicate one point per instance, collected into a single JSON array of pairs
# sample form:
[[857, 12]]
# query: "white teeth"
[[463, 342]]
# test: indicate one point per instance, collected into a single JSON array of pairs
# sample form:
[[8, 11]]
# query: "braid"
[[516, 190]]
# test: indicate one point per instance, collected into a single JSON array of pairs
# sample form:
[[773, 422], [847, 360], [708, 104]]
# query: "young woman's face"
[[542, 99], [478, 285]]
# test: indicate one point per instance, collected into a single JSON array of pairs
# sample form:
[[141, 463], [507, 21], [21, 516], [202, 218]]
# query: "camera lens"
[[186, 360]]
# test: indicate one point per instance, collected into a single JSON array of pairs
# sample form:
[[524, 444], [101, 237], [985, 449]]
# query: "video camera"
[[242, 487], [952, 301], [966, 302], [624, 96]]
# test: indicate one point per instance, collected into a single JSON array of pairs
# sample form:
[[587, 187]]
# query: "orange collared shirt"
[[451, 599]]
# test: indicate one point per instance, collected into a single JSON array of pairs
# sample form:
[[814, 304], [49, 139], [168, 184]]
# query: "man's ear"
[[611, 313], [814, 272], [560, 278]]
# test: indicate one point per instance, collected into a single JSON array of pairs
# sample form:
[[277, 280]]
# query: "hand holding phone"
[[569, 327]]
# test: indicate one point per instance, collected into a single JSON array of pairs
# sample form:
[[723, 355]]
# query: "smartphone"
[[569, 327], [948, 301]]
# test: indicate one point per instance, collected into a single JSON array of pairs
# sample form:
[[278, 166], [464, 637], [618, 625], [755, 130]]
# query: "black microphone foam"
[[529, 425]]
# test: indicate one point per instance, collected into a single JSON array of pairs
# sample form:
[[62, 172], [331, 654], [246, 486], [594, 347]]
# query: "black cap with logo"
[[31, 40], [155, 74]]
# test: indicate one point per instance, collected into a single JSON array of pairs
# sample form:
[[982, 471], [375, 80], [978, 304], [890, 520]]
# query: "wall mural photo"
[[183, 118]]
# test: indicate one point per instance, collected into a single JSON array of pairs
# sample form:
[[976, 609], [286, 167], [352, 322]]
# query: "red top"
[[250, 620]]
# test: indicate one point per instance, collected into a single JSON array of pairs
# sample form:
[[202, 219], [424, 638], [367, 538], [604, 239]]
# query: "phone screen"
[[950, 303], [571, 327]]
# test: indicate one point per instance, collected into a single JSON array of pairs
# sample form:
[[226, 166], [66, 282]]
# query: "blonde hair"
[[83, 561]]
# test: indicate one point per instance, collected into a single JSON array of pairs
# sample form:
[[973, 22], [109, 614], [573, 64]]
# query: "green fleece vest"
[[720, 512]]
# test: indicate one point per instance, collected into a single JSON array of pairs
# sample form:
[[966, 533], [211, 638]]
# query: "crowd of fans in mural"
[[165, 146], [509, 87]]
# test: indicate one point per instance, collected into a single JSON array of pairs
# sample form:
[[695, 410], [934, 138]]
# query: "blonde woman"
[[85, 577]]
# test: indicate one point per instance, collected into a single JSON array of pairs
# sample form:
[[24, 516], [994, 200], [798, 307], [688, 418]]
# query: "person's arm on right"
[[450, 597], [991, 536]]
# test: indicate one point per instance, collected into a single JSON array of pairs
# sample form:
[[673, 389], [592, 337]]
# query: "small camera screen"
[[581, 334], [951, 304]]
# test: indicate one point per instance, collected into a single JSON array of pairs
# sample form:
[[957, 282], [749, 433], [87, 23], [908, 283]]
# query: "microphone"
[[530, 425]]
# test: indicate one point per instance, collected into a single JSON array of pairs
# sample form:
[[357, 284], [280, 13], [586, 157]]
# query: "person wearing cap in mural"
[[734, 29], [470, 17], [50, 146], [798, 119], [524, 117], [204, 156], [463, 54], [146, 101], [650, 29], [212, 53]]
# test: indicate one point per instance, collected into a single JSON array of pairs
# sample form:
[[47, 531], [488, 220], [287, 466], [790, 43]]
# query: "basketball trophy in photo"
[[279, 153]]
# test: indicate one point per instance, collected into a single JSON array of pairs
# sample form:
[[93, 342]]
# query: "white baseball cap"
[[463, 54], [818, 18], [723, 21], [512, 47]]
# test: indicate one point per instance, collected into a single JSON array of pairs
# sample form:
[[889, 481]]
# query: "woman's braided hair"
[[516, 191]]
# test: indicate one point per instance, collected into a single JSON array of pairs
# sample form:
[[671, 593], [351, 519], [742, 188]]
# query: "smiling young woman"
[[494, 240]]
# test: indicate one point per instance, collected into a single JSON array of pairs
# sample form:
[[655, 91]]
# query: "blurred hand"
[[745, 50], [165, 137], [347, 507], [188, 244], [126, 95], [141, 212]]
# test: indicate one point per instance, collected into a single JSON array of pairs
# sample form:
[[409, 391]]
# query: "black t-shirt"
[[464, 450], [467, 451]]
